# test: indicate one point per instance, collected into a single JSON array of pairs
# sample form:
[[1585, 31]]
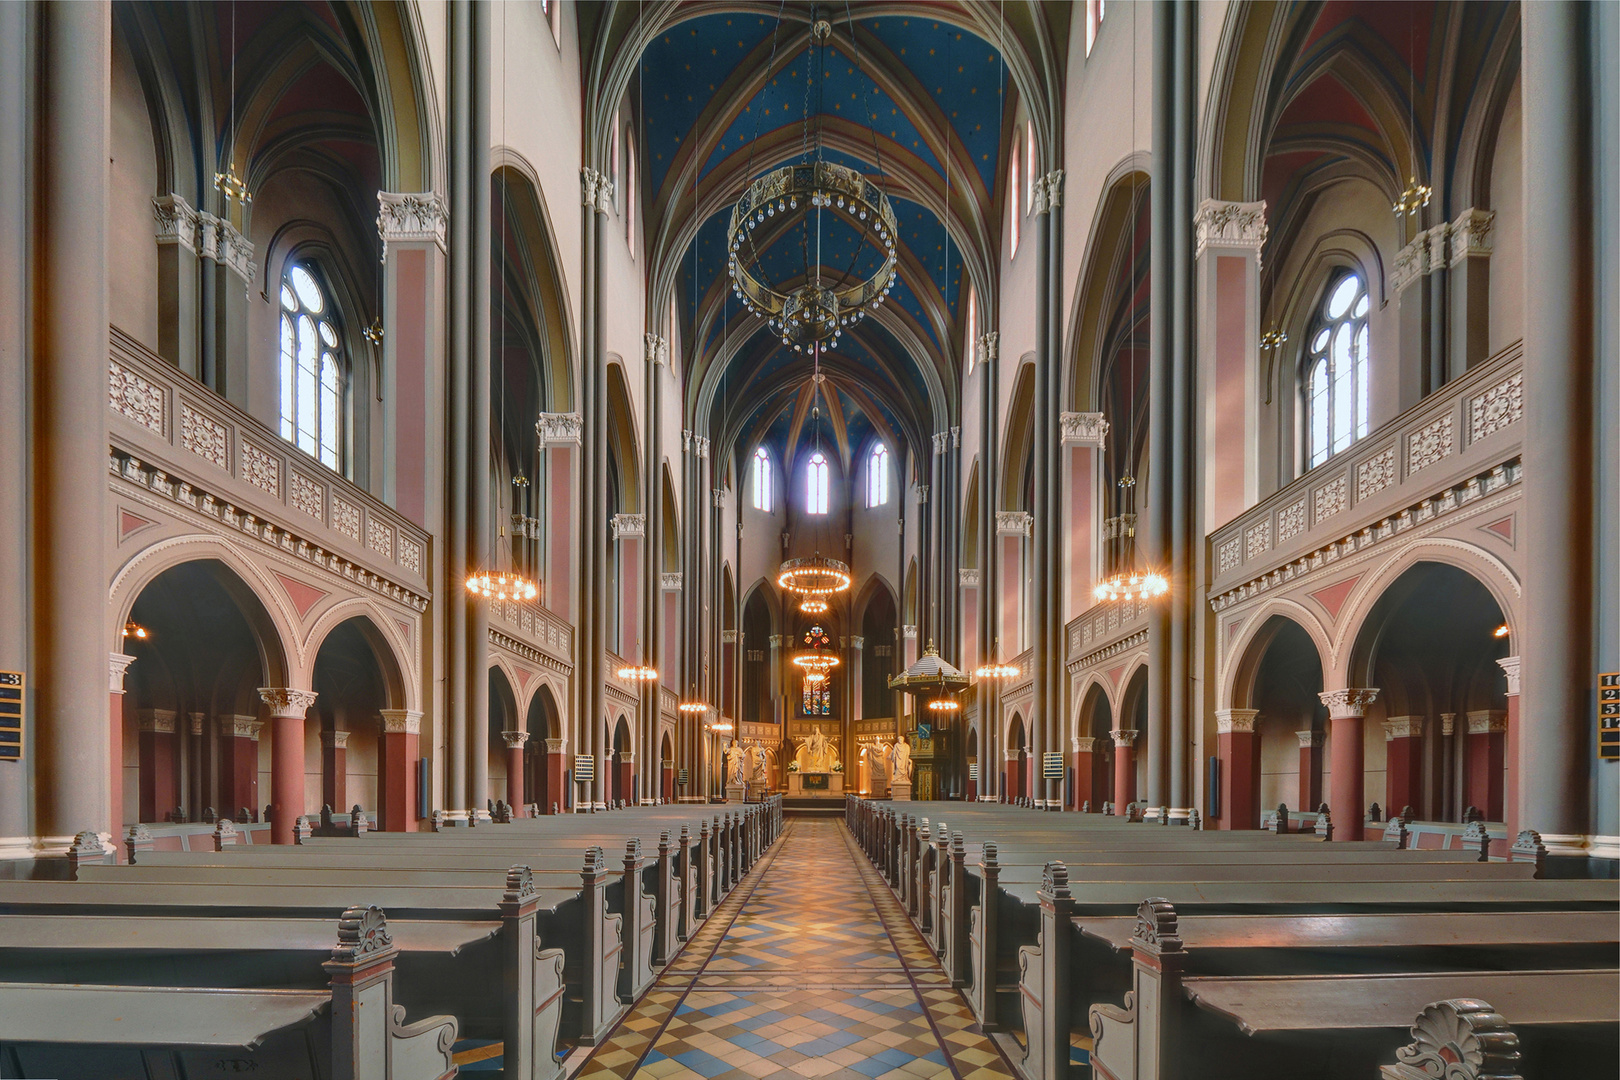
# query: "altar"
[[815, 785]]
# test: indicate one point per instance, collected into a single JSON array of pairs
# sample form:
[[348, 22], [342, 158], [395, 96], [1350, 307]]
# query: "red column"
[[1082, 772], [287, 709], [667, 781], [158, 794], [1310, 769], [402, 732], [1239, 753], [625, 762], [238, 763], [1510, 803], [117, 664], [1347, 799], [1124, 769], [1403, 745], [1487, 744], [197, 756], [556, 765], [335, 770], [514, 770]]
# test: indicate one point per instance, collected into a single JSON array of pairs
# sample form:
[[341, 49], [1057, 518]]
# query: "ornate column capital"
[[219, 240], [555, 427], [1349, 703], [942, 442], [588, 180], [702, 445], [1416, 259], [671, 580], [175, 221], [989, 346], [556, 746], [1403, 727], [1123, 736], [285, 701], [515, 739], [1487, 722], [1083, 743], [199, 722], [657, 350], [728, 637], [629, 525], [401, 721], [239, 727], [1014, 523], [776, 641], [720, 496], [605, 188], [1235, 721], [921, 492], [336, 740], [956, 436], [908, 632], [117, 664], [1471, 235], [968, 577], [1448, 723], [1510, 667], [1084, 429], [1309, 739], [1231, 225], [1046, 192], [857, 642], [412, 217], [159, 721]]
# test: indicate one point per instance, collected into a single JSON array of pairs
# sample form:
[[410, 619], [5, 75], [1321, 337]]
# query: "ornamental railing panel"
[[1456, 445]]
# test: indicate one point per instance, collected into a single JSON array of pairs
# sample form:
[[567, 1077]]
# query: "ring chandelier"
[[502, 585], [814, 575], [812, 313]]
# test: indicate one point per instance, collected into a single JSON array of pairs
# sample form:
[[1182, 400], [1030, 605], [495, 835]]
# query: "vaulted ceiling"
[[919, 97]]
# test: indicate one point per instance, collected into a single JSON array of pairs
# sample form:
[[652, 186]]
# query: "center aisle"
[[809, 968]]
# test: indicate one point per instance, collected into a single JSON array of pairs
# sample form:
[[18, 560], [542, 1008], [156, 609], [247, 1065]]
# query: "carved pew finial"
[[362, 935], [1157, 929], [137, 840], [519, 884], [1279, 823], [1396, 831], [224, 834], [1195, 820], [1055, 881], [1528, 848], [1323, 826], [303, 829], [1475, 838], [88, 848], [1459, 1039]]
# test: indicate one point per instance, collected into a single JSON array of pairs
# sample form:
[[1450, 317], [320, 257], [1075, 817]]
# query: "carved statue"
[[816, 754], [900, 762], [736, 765], [762, 766]]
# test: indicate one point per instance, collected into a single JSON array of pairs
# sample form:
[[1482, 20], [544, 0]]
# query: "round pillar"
[[287, 709], [1347, 758]]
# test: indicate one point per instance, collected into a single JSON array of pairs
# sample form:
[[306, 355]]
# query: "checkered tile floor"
[[808, 969]]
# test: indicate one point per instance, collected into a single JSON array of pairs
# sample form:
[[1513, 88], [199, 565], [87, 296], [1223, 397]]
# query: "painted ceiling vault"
[[919, 98]]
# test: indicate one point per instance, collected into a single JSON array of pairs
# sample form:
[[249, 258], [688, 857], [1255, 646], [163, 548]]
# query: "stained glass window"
[[312, 379], [1336, 365]]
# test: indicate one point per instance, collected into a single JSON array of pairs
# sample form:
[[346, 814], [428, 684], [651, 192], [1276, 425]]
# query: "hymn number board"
[[1609, 716], [11, 715]]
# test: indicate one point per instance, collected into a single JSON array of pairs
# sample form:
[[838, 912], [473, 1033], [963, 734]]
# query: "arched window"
[[816, 484], [877, 476], [972, 342], [630, 189], [311, 369], [762, 480], [1336, 365], [1015, 194]]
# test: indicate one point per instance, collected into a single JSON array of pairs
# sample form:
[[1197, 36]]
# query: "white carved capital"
[[1487, 722], [117, 664], [1411, 262], [337, 740], [968, 577], [604, 194], [1448, 723], [1235, 721], [1348, 703], [1309, 739], [720, 497], [1083, 744], [672, 581], [1123, 736], [1403, 727], [588, 179], [238, 727], [287, 702], [728, 637], [1231, 225], [515, 739], [857, 642], [702, 445], [559, 428], [218, 239], [1471, 235], [956, 436], [657, 350], [412, 217], [989, 346], [1014, 523], [157, 721], [908, 632], [556, 746], [629, 525], [942, 441], [401, 721], [920, 492], [176, 221], [1084, 429], [1510, 667], [776, 641]]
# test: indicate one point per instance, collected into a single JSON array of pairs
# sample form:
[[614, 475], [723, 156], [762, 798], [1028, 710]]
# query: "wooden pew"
[[1351, 1020], [351, 1031]]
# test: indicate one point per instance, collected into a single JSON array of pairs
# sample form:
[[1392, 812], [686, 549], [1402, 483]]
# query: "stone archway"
[[368, 742]]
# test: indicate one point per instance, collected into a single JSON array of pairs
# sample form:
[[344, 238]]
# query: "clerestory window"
[[312, 369], [816, 484], [877, 476], [762, 480], [1336, 366]]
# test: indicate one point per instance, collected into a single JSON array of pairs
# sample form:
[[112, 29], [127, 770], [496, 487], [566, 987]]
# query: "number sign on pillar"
[[1608, 716], [11, 715]]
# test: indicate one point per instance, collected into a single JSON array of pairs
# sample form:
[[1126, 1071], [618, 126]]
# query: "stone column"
[[1487, 736], [1239, 753], [238, 763], [335, 774], [1124, 768], [1310, 768], [514, 770], [396, 770], [159, 792], [288, 707], [1085, 438], [1403, 748], [1081, 762], [560, 435], [1555, 749], [625, 762], [117, 665], [1347, 798], [556, 778], [69, 423], [478, 442], [197, 750], [1450, 769], [1231, 237], [1510, 746]]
